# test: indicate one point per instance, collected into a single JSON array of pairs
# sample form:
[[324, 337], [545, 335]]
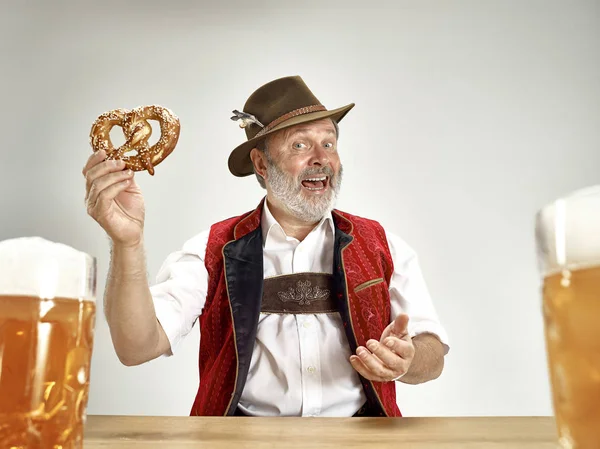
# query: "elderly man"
[[304, 310]]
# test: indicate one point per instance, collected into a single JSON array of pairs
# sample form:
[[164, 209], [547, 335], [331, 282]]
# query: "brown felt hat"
[[278, 104]]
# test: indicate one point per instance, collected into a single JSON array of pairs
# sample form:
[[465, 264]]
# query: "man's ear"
[[258, 160]]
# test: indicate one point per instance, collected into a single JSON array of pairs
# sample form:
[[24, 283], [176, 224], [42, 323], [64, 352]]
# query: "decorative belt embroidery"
[[299, 293], [303, 294]]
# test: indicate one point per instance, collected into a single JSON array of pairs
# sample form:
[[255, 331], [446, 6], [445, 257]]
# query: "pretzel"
[[137, 131]]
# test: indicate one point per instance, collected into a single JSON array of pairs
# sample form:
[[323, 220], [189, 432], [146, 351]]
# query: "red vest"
[[229, 320]]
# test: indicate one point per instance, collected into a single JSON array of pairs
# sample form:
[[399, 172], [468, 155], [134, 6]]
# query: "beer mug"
[[47, 318], [568, 248]]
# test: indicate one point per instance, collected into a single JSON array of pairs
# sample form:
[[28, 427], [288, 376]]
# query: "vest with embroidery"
[[361, 274]]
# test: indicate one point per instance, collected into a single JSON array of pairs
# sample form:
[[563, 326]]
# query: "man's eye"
[[329, 145], [299, 146]]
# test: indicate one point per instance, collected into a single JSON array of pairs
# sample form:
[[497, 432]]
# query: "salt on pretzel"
[[137, 131]]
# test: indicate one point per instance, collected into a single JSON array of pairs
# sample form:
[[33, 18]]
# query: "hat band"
[[289, 115]]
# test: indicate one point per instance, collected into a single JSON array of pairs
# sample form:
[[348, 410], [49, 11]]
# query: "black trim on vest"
[[244, 272], [339, 282]]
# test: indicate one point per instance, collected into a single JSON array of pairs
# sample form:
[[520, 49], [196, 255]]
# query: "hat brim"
[[240, 163]]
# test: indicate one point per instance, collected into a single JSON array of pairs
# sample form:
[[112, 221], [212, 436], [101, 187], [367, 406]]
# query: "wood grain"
[[154, 432]]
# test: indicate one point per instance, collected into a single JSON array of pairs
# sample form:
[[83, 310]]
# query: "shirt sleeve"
[[409, 293], [179, 293]]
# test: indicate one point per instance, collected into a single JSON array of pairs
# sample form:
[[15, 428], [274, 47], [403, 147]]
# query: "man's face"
[[303, 169]]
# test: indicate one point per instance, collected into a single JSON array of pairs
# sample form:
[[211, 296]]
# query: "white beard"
[[289, 192]]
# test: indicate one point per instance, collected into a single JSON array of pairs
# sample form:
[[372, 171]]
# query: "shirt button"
[[311, 369], [306, 324]]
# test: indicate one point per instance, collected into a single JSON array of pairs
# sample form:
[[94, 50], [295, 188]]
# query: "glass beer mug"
[[47, 318], [568, 247]]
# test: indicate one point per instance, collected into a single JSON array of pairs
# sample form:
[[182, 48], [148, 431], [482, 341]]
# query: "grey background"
[[470, 116]]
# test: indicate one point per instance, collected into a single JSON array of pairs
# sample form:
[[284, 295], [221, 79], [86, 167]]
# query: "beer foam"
[[568, 232], [34, 266]]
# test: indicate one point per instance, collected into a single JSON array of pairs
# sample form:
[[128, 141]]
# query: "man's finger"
[[387, 356], [402, 348], [400, 328], [100, 185], [374, 364], [101, 169], [94, 159], [101, 207], [362, 369], [110, 193]]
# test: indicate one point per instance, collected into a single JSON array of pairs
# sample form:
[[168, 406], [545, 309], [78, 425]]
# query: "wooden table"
[[153, 432]]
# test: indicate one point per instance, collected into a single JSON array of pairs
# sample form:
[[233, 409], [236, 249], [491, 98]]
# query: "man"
[[304, 310]]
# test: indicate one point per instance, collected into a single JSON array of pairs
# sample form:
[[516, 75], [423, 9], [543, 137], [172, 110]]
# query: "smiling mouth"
[[316, 183]]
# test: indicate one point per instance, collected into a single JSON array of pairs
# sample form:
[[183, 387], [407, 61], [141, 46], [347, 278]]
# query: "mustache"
[[327, 171]]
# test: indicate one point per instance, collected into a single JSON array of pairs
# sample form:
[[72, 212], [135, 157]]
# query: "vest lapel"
[[243, 261], [343, 238]]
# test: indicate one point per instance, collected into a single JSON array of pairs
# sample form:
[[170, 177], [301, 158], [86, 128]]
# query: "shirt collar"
[[270, 225]]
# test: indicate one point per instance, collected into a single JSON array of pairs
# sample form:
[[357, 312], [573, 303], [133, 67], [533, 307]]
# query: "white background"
[[470, 115]]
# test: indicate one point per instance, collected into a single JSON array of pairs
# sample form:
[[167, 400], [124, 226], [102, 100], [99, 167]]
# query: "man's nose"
[[319, 156]]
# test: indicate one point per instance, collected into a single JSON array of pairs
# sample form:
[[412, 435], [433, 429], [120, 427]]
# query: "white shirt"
[[299, 363]]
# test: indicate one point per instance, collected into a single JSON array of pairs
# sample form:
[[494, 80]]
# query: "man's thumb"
[[401, 325]]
